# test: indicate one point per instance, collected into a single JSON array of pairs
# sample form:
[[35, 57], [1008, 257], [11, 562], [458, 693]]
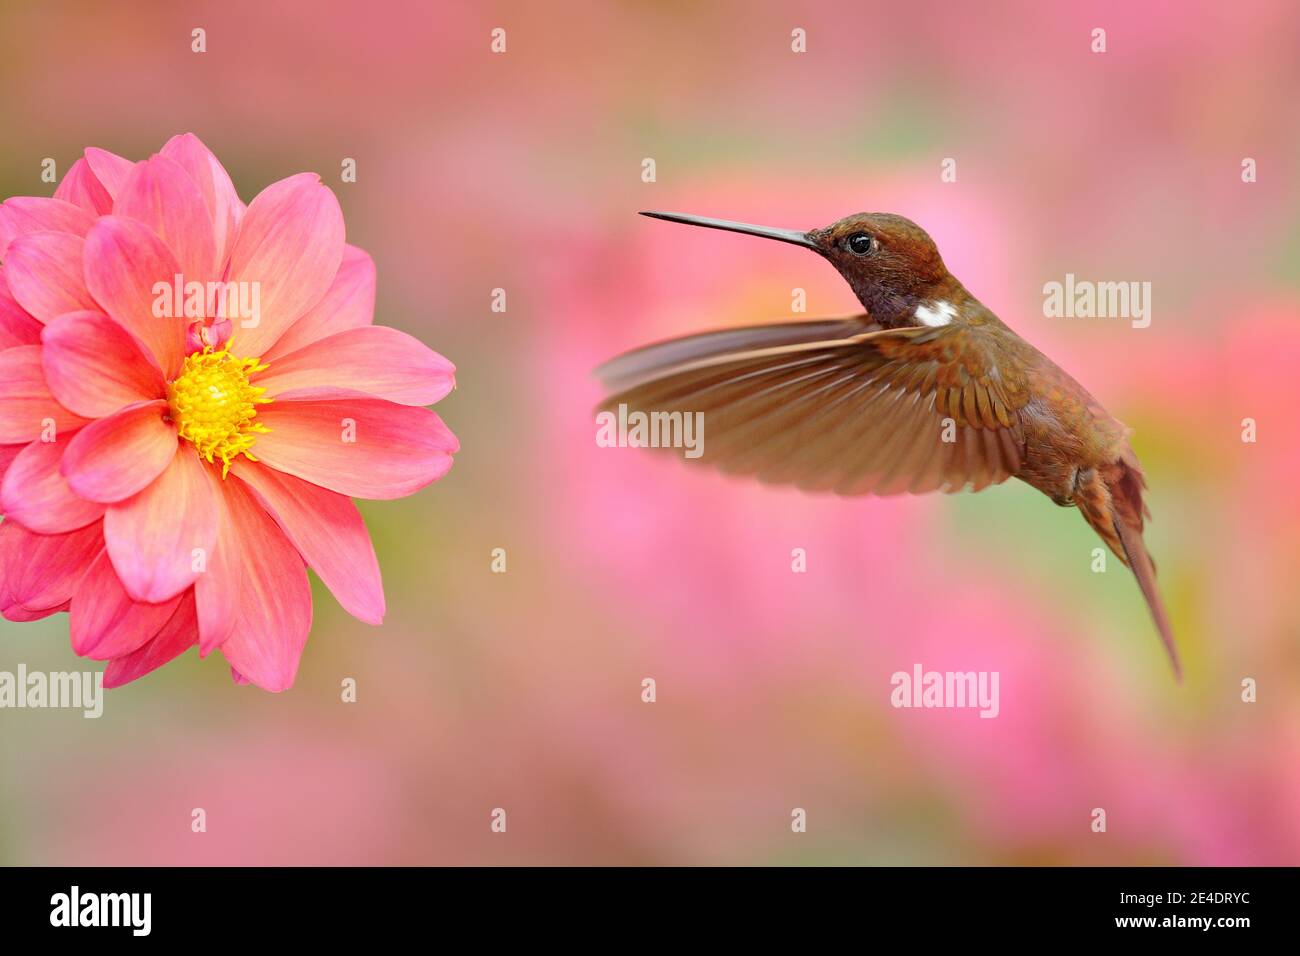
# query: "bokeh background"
[[522, 690]]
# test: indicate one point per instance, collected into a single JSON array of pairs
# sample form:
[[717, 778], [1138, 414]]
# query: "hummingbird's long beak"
[[767, 232]]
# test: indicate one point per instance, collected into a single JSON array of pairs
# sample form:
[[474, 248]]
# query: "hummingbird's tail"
[[1111, 501]]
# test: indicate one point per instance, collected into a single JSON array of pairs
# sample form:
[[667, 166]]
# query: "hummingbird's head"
[[891, 263], [883, 257]]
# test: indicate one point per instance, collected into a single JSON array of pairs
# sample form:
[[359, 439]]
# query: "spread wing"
[[654, 361], [878, 412]]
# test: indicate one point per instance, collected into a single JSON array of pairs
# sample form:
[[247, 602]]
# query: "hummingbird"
[[927, 390]]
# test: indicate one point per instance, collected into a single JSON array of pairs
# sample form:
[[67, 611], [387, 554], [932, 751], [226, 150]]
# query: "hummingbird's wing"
[[653, 361], [883, 412]]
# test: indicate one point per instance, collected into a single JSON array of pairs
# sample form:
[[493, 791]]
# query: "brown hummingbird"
[[926, 391]]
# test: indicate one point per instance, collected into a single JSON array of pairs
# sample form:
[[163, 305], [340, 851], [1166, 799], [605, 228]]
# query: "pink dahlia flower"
[[191, 392]]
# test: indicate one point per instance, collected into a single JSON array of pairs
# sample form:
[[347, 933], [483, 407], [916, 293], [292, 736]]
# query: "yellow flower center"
[[214, 406]]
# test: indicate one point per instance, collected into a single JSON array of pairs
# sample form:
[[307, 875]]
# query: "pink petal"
[[328, 532], [7, 455], [44, 271], [358, 446], [348, 304], [115, 457], [124, 260], [41, 571], [163, 196], [217, 589], [20, 615], [110, 169], [290, 242], [375, 359], [275, 603], [26, 214], [239, 678], [176, 636], [81, 188], [94, 367], [224, 205], [161, 539], [28, 412], [104, 621], [17, 325], [38, 497]]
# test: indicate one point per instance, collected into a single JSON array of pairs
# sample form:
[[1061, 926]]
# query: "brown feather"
[[1110, 499], [859, 414]]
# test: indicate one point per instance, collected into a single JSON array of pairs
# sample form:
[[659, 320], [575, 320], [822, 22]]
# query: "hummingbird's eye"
[[860, 243]]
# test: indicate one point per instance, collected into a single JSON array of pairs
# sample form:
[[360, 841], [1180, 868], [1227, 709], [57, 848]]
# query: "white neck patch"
[[936, 314]]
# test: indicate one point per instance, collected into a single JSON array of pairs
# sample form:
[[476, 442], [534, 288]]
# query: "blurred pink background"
[[522, 690]]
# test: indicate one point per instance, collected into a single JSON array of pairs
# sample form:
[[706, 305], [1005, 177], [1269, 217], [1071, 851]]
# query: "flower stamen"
[[214, 405]]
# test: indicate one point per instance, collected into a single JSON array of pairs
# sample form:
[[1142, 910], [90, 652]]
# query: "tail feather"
[[1112, 502], [1145, 572]]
